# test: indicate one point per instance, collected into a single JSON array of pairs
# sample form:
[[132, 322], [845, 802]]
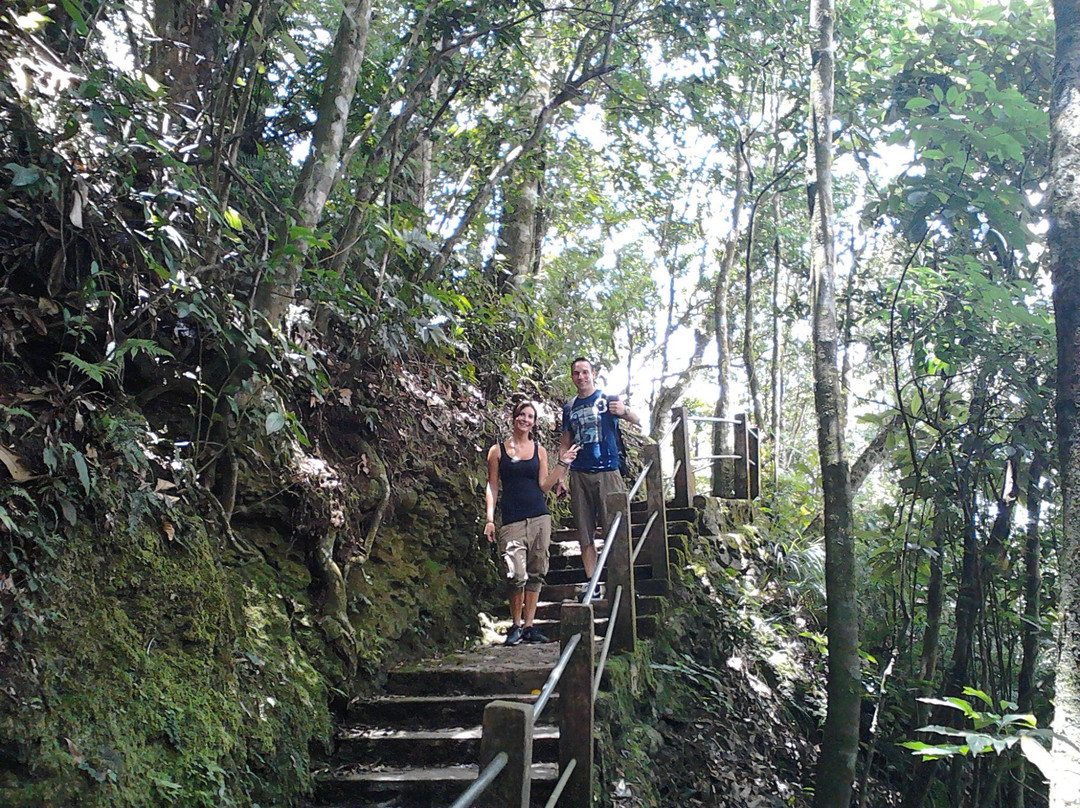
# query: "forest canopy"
[[242, 236]]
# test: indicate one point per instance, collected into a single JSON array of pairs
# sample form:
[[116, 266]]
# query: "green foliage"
[[990, 733]]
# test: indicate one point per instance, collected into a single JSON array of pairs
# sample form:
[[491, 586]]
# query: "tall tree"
[[321, 167], [840, 743], [1065, 260]]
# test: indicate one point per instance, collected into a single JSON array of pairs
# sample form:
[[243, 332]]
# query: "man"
[[591, 421]]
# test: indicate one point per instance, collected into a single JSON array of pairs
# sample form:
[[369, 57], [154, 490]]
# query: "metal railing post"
[[576, 704], [656, 543], [742, 465], [621, 573], [508, 727], [755, 463], [684, 474]]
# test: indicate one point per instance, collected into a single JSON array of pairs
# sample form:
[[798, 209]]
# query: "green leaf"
[[294, 48], [24, 176], [232, 219], [97, 372], [76, 17], [970, 691], [84, 472], [70, 513], [914, 104], [275, 421]]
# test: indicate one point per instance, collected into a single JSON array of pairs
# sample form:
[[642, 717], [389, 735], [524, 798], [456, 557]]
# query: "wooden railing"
[[745, 459], [506, 743]]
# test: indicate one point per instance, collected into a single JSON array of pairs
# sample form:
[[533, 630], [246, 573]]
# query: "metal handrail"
[[590, 591], [718, 457], [711, 419], [599, 673], [670, 430], [554, 676], [644, 535], [561, 784], [640, 480], [485, 779]]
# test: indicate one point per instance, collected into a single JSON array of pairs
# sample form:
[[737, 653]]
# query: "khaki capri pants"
[[524, 546], [588, 500]]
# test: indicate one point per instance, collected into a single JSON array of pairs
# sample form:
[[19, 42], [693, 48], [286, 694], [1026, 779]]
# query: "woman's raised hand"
[[567, 457]]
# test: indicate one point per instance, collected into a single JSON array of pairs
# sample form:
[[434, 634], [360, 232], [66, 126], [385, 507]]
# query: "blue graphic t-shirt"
[[591, 425]]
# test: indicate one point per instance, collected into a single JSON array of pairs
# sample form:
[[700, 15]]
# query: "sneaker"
[[533, 634], [598, 593], [514, 635]]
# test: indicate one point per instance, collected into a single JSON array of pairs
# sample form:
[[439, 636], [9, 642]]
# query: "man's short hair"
[[584, 359]]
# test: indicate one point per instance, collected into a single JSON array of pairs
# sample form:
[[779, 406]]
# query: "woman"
[[520, 465]]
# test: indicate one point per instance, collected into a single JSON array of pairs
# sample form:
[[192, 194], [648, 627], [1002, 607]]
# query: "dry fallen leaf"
[[14, 465], [169, 528]]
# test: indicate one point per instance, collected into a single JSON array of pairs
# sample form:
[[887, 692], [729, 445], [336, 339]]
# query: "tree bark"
[[935, 599], [840, 741], [1029, 627], [721, 442], [320, 169], [1065, 260]]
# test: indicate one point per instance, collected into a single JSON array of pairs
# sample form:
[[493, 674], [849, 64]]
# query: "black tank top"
[[521, 494]]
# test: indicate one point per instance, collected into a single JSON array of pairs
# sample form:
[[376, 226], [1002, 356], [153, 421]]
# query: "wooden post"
[[576, 705], [742, 477], [621, 573], [655, 549], [508, 727], [755, 464], [684, 473]]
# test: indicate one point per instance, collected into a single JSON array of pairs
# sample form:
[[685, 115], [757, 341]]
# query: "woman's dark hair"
[[522, 405]]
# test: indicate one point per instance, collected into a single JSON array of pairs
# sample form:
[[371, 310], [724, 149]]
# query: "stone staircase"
[[416, 745]]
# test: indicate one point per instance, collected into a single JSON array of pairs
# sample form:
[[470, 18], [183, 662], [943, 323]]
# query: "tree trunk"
[[320, 169], [722, 479], [968, 604], [515, 246], [1029, 627], [749, 360], [840, 740], [776, 420], [1065, 261], [935, 598]]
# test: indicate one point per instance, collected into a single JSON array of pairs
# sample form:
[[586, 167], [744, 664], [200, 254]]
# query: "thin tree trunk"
[[935, 598], [1065, 260], [777, 403], [968, 603], [749, 361], [320, 169], [721, 440], [1029, 628], [840, 739]]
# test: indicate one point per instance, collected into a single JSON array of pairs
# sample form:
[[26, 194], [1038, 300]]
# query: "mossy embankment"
[[719, 708], [156, 653]]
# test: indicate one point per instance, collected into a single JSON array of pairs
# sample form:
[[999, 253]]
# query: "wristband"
[[563, 463]]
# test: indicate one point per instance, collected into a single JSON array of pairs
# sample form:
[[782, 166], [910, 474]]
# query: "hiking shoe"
[[514, 635], [598, 593], [533, 634]]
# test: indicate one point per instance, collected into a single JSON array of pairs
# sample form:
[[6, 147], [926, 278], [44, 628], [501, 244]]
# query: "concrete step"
[[432, 711], [445, 746], [576, 575], [682, 515], [425, 787], [486, 670], [549, 613]]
